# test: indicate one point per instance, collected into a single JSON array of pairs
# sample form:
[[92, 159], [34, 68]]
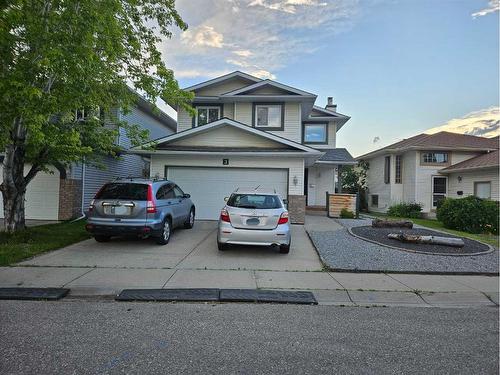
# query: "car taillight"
[[151, 205], [283, 218], [224, 216]]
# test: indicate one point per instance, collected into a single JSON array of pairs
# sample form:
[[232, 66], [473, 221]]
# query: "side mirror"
[[186, 196], [226, 199], [285, 201]]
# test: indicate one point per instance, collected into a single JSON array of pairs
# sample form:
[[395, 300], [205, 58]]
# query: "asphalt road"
[[91, 337]]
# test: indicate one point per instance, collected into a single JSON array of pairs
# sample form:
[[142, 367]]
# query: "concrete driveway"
[[187, 249]]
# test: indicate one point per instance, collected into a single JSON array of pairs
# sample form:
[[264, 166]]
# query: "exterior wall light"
[[295, 180], [459, 178]]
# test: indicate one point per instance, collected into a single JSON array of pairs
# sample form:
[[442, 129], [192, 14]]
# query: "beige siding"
[[184, 121], [408, 174], [228, 136], [295, 166], [293, 124], [268, 90], [376, 185], [243, 113], [223, 87], [466, 185], [229, 110], [332, 137], [423, 180]]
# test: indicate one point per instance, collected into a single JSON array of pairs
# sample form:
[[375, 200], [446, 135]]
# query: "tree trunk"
[[14, 184], [380, 223], [433, 240]]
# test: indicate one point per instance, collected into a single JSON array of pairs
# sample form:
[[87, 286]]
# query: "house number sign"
[[225, 161]]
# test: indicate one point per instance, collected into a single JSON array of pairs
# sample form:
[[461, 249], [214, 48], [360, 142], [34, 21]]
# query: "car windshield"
[[135, 192], [254, 201]]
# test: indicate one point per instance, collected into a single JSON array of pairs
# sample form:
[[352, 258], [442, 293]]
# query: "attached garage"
[[42, 196], [209, 185]]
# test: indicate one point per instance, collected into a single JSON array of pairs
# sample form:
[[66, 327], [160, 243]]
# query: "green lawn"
[[434, 224], [36, 240]]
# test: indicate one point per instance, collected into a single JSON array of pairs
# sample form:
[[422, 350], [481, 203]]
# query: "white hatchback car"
[[254, 217]]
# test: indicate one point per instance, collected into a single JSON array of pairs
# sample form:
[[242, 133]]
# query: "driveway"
[[187, 249]]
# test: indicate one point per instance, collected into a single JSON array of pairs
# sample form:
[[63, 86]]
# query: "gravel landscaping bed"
[[341, 251], [380, 235]]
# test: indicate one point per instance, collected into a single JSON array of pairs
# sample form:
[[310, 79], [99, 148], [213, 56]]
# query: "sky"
[[396, 67]]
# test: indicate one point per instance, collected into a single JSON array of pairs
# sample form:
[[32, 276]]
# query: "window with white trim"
[[268, 115], [399, 166], [434, 158], [207, 114], [482, 189], [439, 189]]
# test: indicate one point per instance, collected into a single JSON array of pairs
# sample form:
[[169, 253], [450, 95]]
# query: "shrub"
[[346, 214], [411, 210], [471, 214]]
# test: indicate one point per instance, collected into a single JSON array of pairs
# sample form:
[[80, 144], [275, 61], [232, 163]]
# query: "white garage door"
[[42, 196], [209, 186]]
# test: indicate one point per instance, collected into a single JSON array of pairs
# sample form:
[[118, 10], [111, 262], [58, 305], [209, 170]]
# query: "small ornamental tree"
[[354, 181], [61, 57]]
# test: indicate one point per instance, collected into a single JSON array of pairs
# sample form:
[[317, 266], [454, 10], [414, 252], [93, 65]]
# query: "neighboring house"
[[249, 132], [429, 167], [65, 194]]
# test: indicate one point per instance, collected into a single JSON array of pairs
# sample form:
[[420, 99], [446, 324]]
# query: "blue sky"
[[398, 68]]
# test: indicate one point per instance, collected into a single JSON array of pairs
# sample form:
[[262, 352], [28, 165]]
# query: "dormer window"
[[207, 114], [268, 116]]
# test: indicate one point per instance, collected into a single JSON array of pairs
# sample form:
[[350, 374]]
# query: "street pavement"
[[101, 337]]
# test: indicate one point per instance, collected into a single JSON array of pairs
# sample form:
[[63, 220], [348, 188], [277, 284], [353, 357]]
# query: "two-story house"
[[249, 132], [427, 168], [65, 193]]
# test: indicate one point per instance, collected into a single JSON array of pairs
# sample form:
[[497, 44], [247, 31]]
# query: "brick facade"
[[297, 208], [70, 198]]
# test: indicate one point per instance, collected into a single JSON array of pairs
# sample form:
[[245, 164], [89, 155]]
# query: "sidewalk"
[[330, 288]]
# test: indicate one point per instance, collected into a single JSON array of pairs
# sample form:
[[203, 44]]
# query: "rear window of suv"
[[126, 191], [254, 201]]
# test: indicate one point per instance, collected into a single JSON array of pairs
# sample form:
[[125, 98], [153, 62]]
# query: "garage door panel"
[[209, 186]]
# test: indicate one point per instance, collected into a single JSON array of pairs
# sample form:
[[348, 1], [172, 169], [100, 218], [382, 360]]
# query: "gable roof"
[[268, 82], [488, 160], [227, 122], [237, 73], [439, 141]]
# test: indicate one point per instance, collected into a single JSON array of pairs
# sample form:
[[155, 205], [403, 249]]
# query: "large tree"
[[58, 57]]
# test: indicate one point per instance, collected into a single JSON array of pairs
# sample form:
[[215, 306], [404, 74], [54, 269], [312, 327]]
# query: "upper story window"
[[434, 158], [268, 116], [207, 114], [315, 133]]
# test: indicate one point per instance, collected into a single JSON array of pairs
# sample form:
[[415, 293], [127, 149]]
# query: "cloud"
[[484, 123], [203, 36], [259, 37], [493, 6], [287, 6]]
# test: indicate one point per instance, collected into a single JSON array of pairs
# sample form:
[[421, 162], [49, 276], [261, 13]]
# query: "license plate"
[[253, 221], [117, 210]]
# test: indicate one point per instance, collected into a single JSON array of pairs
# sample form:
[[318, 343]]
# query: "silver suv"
[[140, 207], [254, 217]]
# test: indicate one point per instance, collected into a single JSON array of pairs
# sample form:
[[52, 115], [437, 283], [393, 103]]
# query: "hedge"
[[410, 210], [471, 214]]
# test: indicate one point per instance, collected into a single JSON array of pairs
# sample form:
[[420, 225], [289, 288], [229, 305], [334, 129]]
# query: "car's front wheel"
[[166, 231], [102, 238], [190, 220]]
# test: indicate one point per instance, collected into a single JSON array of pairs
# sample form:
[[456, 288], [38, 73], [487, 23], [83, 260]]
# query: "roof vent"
[[330, 106]]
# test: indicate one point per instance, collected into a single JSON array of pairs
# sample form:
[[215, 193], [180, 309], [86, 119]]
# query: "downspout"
[[82, 208]]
